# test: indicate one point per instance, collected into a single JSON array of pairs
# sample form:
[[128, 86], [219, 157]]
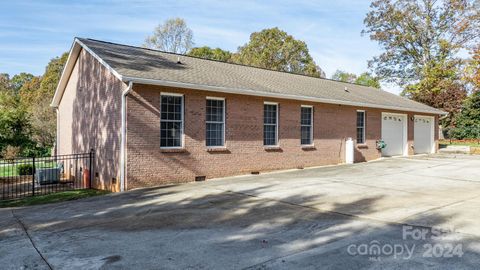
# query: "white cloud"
[[210, 36]]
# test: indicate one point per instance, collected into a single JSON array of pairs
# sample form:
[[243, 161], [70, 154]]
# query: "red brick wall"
[[148, 165], [89, 117]]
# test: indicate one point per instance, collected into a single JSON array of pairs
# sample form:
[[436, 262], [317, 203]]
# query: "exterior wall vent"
[[200, 178]]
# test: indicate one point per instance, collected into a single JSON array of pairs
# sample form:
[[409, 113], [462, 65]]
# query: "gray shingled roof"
[[136, 62]]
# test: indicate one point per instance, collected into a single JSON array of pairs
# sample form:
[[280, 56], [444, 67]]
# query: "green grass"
[[469, 143], [11, 169], [8, 170], [54, 197]]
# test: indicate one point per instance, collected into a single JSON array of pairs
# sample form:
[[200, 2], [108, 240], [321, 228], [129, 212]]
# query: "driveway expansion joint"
[[24, 228]]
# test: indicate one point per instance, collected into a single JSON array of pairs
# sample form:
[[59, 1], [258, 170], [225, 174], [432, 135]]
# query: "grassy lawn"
[[8, 170], [54, 197], [465, 143]]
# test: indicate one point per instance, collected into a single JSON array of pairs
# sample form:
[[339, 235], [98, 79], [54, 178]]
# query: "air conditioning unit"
[[45, 176]]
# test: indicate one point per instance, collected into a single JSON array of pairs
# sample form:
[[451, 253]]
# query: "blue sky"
[[33, 32]]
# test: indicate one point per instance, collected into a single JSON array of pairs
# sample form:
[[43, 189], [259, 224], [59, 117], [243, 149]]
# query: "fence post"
[[33, 176], [91, 156]]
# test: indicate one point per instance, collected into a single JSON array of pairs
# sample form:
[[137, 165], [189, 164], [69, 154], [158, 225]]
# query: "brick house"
[[157, 118]]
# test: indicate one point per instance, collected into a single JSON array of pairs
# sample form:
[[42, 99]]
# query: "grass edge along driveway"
[[53, 197]]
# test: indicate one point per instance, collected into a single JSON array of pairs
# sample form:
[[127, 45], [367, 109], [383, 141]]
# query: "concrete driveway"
[[420, 212]]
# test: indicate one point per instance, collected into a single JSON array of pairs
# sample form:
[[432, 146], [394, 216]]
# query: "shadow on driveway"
[[204, 226]]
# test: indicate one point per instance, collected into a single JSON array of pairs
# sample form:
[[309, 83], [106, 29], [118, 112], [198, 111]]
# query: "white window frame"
[[311, 126], [276, 123], [182, 139], [224, 123], [364, 127]]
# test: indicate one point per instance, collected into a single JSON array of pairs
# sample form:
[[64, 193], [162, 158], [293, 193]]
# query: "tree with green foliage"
[[473, 69], [442, 87], [467, 124], [171, 36], [28, 91], [42, 116], [52, 74], [421, 40], [416, 34], [27, 122], [275, 49], [14, 123], [367, 79], [209, 53], [343, 76], [19, 80], [4, 82]]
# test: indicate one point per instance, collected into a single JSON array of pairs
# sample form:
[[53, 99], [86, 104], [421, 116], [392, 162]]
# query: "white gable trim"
[[75, 50]]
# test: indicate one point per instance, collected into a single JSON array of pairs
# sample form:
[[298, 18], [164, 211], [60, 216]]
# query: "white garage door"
[[394, 134], [423, 134]]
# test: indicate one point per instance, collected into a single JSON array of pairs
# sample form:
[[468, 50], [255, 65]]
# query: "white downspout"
[[124, 136], [57, 137]]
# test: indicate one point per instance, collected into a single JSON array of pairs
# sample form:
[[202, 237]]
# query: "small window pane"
[[170, 134], [214, 134], [215, 110], [306, 118], [270, 114], [306, 138], [171, 108], [270, 137]]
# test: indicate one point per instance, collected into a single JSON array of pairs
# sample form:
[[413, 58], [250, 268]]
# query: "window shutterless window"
[[215, 122], [171, 121], [270, 124], [306, 125], [360, 126]]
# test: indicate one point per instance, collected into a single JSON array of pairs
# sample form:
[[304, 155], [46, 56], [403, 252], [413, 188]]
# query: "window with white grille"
[[270, 124], [171, 121], [360, 127], [215, 122], [306, 125]]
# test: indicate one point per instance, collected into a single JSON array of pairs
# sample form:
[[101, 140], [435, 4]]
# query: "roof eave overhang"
[[77, 47], [249, 92]]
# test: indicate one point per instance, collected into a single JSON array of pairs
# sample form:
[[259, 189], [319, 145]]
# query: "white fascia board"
[[75, 50], [67, 70], [107, 66], [265, 94]]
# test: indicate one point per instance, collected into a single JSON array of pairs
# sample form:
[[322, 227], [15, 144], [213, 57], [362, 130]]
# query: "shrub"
[[25, 169], [9, 153], [35, 151], [468, 120]]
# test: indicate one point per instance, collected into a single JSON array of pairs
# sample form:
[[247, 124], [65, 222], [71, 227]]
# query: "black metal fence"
[[25, 177]]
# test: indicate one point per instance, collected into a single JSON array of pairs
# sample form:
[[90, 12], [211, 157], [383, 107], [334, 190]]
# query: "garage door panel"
[[393, 134], [423, 134]]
